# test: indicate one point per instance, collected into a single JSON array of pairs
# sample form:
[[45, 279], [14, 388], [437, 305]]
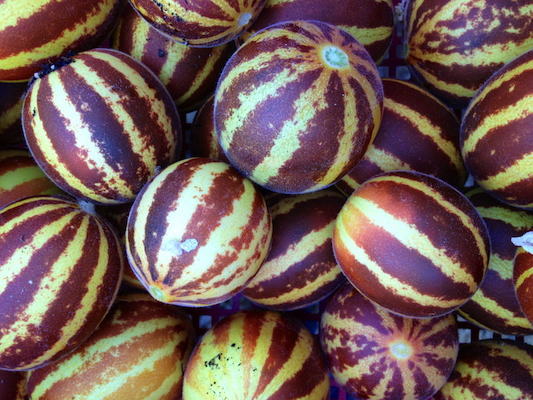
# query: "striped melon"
[[496, 139], [101, 126], [417, 132], [374, 354], [256, 355], [491, 369], [200, 23], [412, 243], [300, 268], [494, 306], [35, 34], [11, 99], [523, 281], [20, 176], [138, 352], [13, 385], [189, 73], [454, 46], [371, 22], [197, 233], [60, 269], [297, 106], [203, 136]]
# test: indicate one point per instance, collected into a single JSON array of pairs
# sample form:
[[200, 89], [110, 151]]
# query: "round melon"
[[200, 23], [371, 22], [35, 35], [257, 354], [453, 47], [60, 268], [496, 142], [377, 355], [412, 243], [297, 105], [101, 125], [138, 352], [197, 233], [189, 73]]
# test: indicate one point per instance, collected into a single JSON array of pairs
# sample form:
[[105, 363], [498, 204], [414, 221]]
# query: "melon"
[[377, 355], [101, 125], [412, 243], [60, 268], [297, 105], [197, 233]]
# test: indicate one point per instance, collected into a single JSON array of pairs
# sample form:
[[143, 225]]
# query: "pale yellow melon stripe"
[[495, 120], [55, 47], [496, 82], [43, 141], [527, 274], [142, 29], [368, 36], [350, 122], [12, 179], [384, 160], [424, 125], [19, 260], [142, 215], [236, 361], [174, 8], [519, 219], [11, 9], [114, 100], [59, 273], [521, 169], [46, 145], [92, 355]]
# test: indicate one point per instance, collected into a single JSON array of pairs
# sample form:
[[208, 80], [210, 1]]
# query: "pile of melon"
[[253, 159]]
